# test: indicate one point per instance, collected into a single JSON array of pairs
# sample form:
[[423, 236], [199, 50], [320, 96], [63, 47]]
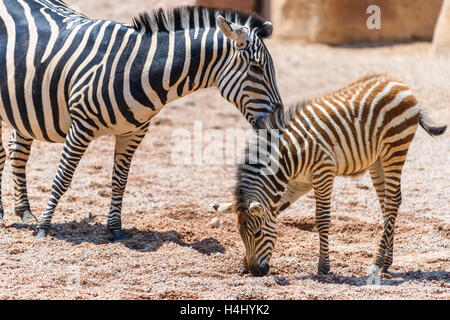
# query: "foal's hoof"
[[41, 234], [119, 235], [244, 270], [384, 269], [28, 217]]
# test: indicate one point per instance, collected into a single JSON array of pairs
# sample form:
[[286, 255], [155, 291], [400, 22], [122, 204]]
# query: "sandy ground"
[[174, 253]]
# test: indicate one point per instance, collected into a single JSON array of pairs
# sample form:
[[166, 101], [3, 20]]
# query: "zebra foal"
[[367, 125]]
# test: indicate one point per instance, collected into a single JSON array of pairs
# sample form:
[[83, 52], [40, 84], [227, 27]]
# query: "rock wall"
[[344, 21], [242, 5], [326, 21], [441, 40]]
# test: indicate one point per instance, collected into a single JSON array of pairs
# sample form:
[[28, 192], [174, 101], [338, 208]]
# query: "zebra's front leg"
[[323, 187], [124, 151], [80, 134], [19, 152], [2, 165]]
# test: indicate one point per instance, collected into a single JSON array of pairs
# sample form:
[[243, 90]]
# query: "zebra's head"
[[248, 78], [258, 195], [258, 229]]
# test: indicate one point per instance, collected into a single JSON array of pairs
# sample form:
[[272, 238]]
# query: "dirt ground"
[[173, 251]]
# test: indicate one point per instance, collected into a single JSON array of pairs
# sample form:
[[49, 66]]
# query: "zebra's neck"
[[146, 70], [266, 179], [285, 152], [179, 62]]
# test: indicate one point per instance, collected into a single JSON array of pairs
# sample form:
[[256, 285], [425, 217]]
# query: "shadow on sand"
[[139, 240], [396, 278]]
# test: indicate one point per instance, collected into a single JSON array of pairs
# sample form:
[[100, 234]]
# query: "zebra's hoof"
[[384, 269], [323, 269], [119, 235], [28, 217], [244, 270], [41, 234]]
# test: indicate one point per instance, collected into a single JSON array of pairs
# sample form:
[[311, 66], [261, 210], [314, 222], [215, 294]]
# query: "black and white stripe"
[[367, 125], [67, 78]]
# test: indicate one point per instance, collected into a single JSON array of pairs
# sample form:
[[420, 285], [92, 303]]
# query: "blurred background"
[[336, 22]]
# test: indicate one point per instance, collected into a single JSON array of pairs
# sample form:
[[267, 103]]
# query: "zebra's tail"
[[427, 124]]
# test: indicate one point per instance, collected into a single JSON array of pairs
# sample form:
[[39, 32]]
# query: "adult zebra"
[[367, 125], [67, 78]]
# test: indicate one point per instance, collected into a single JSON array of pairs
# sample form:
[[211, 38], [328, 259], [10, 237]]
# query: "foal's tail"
[[427, 124]]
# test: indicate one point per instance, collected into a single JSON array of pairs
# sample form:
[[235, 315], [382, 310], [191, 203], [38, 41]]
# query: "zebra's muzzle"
[[259, 270]]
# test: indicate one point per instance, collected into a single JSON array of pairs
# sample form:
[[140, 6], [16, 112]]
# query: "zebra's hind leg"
[[19, 152], [80, 134], [377, 175], [2, 165], [124, 151], [392, 164], [323, 187]]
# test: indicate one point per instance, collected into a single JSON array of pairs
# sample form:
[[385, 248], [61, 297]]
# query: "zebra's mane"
[[273, 124], [256, 157], [278, 119], [192, 16], [295, 109]]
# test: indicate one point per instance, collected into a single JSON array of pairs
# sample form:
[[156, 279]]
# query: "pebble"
[[214, 223]]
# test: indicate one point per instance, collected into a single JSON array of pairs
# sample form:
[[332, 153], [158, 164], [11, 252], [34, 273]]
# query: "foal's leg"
[[80, 134], [392, 160], [377, 175], [19, 152], [323, 187], [124, 151]]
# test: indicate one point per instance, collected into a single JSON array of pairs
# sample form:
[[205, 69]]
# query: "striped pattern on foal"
[[67, 78], [367, 125]]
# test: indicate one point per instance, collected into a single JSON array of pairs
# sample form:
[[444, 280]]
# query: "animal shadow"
[[77, 232], [396, 278]]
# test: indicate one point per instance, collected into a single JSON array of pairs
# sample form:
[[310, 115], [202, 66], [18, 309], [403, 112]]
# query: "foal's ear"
[[256, 209], [224, 207], [233, 31]]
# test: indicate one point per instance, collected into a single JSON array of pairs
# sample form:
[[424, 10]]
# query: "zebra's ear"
[[235, 32], [224, 207], [256, 209], [265, 31]]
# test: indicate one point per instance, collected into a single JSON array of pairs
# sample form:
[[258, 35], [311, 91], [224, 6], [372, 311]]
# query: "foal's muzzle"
[[259, 270]]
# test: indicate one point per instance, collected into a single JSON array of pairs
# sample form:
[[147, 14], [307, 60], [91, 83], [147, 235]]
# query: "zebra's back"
[[31, 73], [47, 52], [353, 124]]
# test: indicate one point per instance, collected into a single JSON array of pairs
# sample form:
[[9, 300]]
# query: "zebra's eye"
[[256, 68], [257, 234]]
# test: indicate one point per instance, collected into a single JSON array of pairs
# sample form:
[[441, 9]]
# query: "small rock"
[[282, 281], [214, 223]]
